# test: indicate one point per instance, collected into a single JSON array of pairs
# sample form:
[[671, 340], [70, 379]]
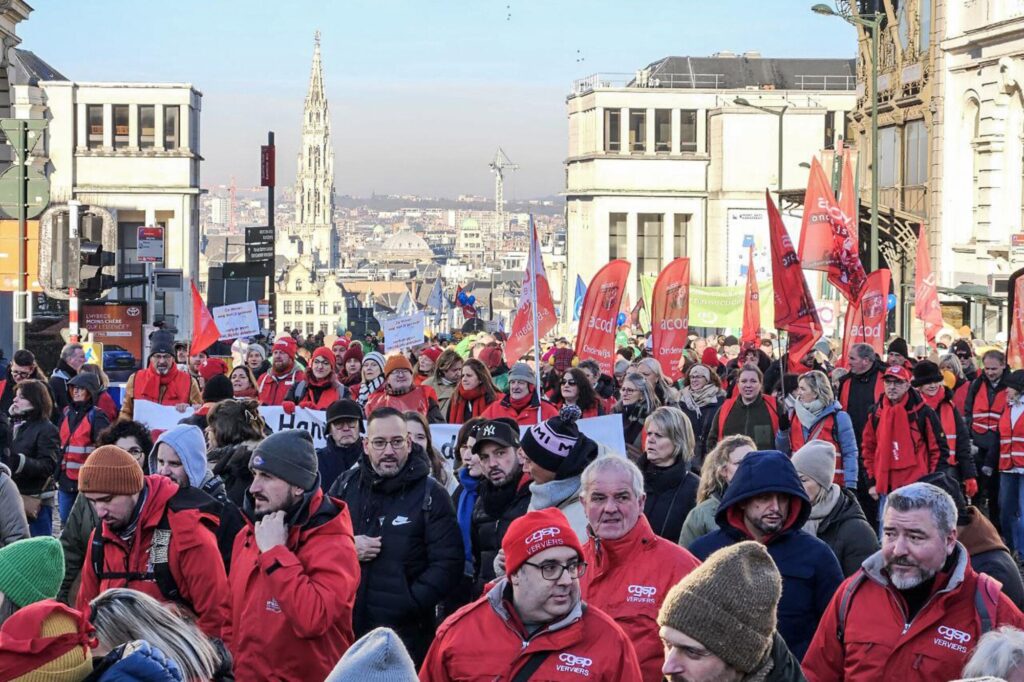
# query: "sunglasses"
[[568, 383]]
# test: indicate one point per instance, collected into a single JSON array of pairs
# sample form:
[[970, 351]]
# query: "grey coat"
[[700, 521], [13, 524]]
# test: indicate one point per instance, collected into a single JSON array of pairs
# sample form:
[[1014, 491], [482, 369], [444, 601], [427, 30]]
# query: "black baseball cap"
[[497, 431], [345, 409]]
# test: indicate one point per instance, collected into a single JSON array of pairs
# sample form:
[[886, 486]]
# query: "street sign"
[[150, 245], [260, 234], [259, 244], [37, 192], [263, 309], [255, 253], [239, 270], [267, 165]]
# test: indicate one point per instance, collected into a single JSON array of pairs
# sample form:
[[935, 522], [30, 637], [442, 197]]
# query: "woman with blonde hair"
[[651, 370], [959, 384], [670, 485], [716, 473], [637, 401], [818, 415]]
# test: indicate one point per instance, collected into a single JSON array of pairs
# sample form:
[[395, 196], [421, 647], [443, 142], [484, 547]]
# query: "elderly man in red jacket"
[[294, 571], [916, 609], [521, 402], [629, 569], [283, 373]]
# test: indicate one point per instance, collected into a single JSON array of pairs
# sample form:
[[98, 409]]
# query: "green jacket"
[[74, 538], [700, 521]]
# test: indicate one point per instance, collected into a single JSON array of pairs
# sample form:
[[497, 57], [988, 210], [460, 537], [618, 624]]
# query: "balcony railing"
[[695, 81]]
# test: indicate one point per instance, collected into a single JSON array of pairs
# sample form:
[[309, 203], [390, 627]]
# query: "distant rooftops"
[[30, 69], [729, 71]]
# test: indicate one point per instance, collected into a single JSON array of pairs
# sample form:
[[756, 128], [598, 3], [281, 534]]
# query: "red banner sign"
[[865, 317], [535, 293], [926, 296], [1015, 349], [751, 306], [267, 165], [670, 316], [596, 338]]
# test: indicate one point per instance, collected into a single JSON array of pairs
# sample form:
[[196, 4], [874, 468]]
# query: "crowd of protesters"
[[860, 519]]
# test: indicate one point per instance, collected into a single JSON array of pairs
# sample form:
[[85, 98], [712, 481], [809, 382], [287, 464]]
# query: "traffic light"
[[92, 282]]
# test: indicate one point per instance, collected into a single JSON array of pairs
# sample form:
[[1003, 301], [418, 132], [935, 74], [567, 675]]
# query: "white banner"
[[403, 332], [237, 319], [158, 417]]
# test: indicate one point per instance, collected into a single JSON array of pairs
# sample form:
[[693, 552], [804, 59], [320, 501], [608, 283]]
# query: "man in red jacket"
[[294, 571], [283, 373], [916, 609], [533, 624], [629, 569], [161, 382], [521, 402], [153, 537]]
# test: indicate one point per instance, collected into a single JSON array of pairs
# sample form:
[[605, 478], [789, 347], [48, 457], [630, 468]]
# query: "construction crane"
[[499, 165]]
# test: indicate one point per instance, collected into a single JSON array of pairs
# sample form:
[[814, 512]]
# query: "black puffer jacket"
[[671, 495], [333, 460], [494, 511], [847, 532], [34, 455], [421, 558], [231, 463]]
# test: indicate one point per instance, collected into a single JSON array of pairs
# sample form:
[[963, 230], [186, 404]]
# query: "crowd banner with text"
[[535, 314], [751, 306], [159, 417], [204, 331], [816, 239], [670, 316], [722, 307], [598, 321], [403, 332], [1015, 347], [926, 296], [795, 311], [237, 320], [865, 317]]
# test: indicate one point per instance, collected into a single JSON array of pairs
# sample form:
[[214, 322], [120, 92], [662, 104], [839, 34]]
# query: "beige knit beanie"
[[728, 604], [817, 461]]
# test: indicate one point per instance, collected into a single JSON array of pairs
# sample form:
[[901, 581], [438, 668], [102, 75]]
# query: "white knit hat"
[[377, 656]]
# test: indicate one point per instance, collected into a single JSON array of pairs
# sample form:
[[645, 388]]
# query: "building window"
[[616, 235], [687, 130], [323, 307], [830, 129], [924, 14], [171, 126], [662, 130], [287, 307], [323, 327], [337, 307], [309, 329], [298, 285], [915, 158], [648, 251], [888, 156], [147, 126], [679, 234], [120, 112], [310, 307], [637, 130], [94, 122], [612, 130]]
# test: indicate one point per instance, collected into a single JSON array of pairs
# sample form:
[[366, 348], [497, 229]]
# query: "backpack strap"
[[844, 603], [532, 664], [986, 598]]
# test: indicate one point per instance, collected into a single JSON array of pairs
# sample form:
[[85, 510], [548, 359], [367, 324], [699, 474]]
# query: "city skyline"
[[422, 97]]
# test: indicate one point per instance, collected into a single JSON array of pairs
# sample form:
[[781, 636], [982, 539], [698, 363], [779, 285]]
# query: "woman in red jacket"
[[476, 390], [575, 389], [321, 387]]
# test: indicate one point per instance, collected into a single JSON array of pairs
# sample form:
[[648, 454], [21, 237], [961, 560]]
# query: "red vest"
[[1011, 443], [273, 389], [948, 420], [985, 417], [77, 445], [327, 396], [147, 387], [723, 414], [415, 400], [825, 430]]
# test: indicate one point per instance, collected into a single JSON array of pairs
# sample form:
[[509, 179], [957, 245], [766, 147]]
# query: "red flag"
[[848, 275], [205, 332], [866, 316], [596, 339], [816, 239], [926, 296], [795, 311], [536, 292], [751, 306], [670, 315], [1015, 348]]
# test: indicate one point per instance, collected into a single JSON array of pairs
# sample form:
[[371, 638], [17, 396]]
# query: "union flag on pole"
[[751, 306], [795, 311], [670, 316], [926, 296], [205, 332], [1015, 347], [535, 298], [596, 338], [866, 316]]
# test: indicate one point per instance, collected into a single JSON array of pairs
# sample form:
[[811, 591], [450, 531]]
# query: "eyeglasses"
[[569, 383], [626, 390], [552, 570], [21, 374], [321, 362], [136, 451], [381, 444]]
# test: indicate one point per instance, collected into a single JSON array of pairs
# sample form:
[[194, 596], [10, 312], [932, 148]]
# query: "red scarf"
[[519, 404], [475, 398], [148, 383], [893, 427], [248, 393]]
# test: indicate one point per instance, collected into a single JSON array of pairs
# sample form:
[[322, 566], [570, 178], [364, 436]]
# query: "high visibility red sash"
[[1011, 443], [723, 414], [985, 416], [824, 430], [77, 445]]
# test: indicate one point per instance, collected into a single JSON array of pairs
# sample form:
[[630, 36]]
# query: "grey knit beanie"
[[378, 656], [729, 604], [288, 455], [817, 461]]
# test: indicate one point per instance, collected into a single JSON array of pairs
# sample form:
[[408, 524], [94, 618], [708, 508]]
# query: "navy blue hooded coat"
[[810, 571]]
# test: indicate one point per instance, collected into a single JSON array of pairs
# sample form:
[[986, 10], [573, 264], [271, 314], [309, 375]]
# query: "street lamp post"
[[874, 23], [774, 112]]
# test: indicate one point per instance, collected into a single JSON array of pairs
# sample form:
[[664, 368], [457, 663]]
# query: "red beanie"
[[211, 367], [535, 532], [341, 341], [491, 357], [354, 352], [710, 358], [46, 640], [432, 352], [285, 344], [326, 354]]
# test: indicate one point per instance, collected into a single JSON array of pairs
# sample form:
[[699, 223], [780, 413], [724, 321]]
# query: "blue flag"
[[581, 293]]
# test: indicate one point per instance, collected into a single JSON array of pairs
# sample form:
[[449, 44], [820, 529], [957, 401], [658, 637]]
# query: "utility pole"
[[73, 236], [267, 179]]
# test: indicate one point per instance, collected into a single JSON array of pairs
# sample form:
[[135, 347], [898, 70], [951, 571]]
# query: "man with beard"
[[152, 538], [503, 495], [344, 446], [533, 624], [294, 570], [857, 391], [401, 392], [915, 609], [983, 408], [162, 382], [283, 372], [767, 503], [407, 539]]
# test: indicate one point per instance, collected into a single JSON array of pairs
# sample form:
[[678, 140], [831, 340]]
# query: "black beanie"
[[898, 345], [558, 446], [161, 342], [288, 455], [218, 388]]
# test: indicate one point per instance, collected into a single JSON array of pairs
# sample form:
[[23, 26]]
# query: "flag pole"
[[534, 247]]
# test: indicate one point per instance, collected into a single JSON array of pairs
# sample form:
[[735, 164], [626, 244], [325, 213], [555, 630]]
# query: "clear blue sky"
[[421, 92]]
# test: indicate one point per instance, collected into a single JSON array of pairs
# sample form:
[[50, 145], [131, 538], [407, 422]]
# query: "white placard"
[[237, 319], [158, 417], [403, 332], [314, 421]]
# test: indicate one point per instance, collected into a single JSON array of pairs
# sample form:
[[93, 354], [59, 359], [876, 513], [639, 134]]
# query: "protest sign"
[[403, 332], [159, 417], [314, 421], [237, 319]]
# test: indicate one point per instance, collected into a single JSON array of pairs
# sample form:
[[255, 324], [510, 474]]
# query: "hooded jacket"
[[421, 558], [62, 373], [700, 521], [564, 495], [810, 571], [193, 558], [847, 532], [988, 552], [628, 579], [880, 644], [291, 606], [485, 640]]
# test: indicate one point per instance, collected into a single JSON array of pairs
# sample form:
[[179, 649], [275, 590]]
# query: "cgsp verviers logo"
[[954, 635], [571, 663], [539, 535], [642, 590]]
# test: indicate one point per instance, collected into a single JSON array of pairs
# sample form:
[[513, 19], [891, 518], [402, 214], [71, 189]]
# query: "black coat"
[[671, 495], [333, 460], [494, 511], [232, 465], [421, 558], [34, 456], [701, 423], [847, 532], [59, 385]]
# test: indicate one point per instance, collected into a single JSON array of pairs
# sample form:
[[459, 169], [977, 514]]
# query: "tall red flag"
[[848, 274], [816, 238], [536, 292], [205, 332], [866, 316], [926, 296], [751, 306], [670, 315], [596, 339], [1015, 347], [795, 311]]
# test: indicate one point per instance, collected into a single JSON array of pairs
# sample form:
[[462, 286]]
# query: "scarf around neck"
[[696, 400], [894, 428], [464, 513], [461, 398], [367, 389], [808, 413], [823, 506]]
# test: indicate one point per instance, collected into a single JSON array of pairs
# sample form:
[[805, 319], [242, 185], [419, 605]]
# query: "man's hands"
[[271, 531], [181, 407], [367, 548]]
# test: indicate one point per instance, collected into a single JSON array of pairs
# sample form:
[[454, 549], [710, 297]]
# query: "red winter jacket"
[[931, 452], [527, 417], [194, 559], [485, 641], [274, 389], [877, 645], [291, 607], [628, 579]]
